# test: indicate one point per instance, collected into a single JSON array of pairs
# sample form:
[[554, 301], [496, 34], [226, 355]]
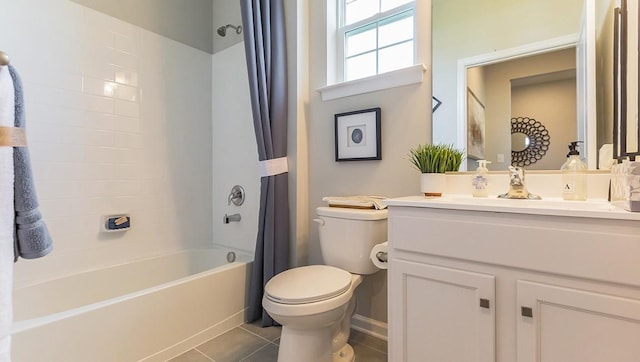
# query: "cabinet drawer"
[[603, 250]]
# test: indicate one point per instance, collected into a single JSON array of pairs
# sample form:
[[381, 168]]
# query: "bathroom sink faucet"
[[517, 188]]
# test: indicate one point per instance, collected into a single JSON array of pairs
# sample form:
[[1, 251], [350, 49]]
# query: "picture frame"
[[435, 103], [475, 127], [357, 135]]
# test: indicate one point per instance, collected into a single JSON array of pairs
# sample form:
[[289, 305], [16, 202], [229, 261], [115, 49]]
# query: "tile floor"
[[251, 343]]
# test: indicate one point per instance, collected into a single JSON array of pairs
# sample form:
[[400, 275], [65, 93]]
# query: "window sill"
[[396, 78]]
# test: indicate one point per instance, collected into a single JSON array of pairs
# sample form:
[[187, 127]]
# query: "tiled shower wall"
[[118, 121], [235, 154]]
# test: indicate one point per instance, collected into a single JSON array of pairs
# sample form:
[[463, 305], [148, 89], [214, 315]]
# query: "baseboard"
[[369, 326], [196, 340]]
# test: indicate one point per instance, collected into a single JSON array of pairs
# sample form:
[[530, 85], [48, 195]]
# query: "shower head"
[[222, 31]]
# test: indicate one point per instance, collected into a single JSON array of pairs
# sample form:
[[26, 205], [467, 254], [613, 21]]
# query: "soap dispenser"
[[574, 175], [480, 181]]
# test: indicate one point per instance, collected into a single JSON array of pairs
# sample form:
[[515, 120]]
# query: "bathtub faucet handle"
[[236, 196]]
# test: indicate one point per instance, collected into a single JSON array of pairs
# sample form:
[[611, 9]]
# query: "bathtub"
[[147, 310]]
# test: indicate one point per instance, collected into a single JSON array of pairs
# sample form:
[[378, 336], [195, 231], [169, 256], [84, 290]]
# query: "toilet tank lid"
[[355, 214]]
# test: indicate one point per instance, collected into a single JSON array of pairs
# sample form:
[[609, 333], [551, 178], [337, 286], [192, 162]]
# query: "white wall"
[[298, 46], [235, 154], [554, 105], [226, 12], [145, 149], [405, 123]]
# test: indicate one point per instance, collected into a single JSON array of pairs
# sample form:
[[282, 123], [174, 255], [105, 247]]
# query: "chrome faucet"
[[517, 188], [231, 218]]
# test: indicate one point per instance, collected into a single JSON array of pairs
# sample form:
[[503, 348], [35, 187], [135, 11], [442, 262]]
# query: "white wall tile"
[[100, 70], [125, 44], [122, 59], [127, 109], [234, 162], [56, 79], [111, 129], [91, 103], [98, 87], [126, 93], [126, 76], [102, 121]]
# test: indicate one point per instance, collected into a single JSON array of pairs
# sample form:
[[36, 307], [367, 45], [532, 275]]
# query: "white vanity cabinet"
[[445, 314], [566, 324], [468, 285]]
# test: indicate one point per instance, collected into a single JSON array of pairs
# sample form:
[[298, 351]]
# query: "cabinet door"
[[440, 314], [563, 324]]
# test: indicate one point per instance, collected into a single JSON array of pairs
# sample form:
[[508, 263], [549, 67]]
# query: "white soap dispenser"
[[574, 175], [480, 181]]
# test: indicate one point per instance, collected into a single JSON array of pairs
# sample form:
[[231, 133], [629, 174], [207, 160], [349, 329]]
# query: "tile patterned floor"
[[251, 343]]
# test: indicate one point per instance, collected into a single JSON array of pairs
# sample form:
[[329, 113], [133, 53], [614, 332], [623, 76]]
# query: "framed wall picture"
[[435, 103], [357, 135], [475, 127]]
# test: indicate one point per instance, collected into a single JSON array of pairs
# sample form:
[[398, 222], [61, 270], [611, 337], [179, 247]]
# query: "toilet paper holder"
[[379, 255], [382, 256]]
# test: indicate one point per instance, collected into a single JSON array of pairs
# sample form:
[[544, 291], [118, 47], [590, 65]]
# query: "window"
[[375, 36]]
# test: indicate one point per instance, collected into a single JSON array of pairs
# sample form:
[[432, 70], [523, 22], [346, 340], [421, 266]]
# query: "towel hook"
[[4, 58]]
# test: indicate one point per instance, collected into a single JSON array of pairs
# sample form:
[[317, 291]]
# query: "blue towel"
[[31, 238]]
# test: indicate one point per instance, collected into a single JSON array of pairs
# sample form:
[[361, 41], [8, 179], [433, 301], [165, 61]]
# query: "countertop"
[[550, 206]]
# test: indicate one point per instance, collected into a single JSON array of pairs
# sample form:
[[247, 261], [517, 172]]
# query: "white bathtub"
[[147, 310]]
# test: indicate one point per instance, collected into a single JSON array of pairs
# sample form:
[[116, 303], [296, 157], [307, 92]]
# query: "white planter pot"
[[433, 184]]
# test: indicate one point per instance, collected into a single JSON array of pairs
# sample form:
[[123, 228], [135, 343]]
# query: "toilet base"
[[311, 345], [305, 345], [346, 354]]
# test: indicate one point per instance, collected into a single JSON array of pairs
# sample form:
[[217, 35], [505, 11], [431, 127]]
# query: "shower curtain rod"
[[4, 58]]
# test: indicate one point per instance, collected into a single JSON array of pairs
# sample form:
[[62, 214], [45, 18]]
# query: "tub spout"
[[231, 218]]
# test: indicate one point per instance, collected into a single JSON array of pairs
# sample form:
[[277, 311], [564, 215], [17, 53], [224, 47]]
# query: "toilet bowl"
[[315, 303]]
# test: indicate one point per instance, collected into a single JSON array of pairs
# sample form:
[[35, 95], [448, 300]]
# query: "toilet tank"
[[348, 235]]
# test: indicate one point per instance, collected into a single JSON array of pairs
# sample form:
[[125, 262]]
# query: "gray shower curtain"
[[264, 42]]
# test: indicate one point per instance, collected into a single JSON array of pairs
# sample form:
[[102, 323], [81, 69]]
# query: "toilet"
[[315, 303]]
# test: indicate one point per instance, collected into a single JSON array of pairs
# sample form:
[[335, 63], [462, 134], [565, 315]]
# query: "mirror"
[[530, 141], [519, 142], [534, 26]]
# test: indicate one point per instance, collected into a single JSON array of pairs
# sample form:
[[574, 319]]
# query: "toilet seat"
[[308, 284]]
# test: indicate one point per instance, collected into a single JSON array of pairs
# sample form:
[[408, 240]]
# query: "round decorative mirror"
[[530, 141], [519, 141]]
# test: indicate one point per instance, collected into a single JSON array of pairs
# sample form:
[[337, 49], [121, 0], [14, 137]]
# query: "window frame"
[[372, 21]]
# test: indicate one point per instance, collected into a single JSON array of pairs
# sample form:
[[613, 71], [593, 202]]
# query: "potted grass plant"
[[433, 161]]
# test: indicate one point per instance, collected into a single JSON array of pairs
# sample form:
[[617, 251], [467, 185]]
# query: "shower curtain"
[[264, 42]]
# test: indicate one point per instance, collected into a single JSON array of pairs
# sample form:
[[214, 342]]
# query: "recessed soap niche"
[[115, 223]]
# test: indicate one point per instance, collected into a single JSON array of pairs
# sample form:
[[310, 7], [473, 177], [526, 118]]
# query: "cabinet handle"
[[484, 303], [526, 312]]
